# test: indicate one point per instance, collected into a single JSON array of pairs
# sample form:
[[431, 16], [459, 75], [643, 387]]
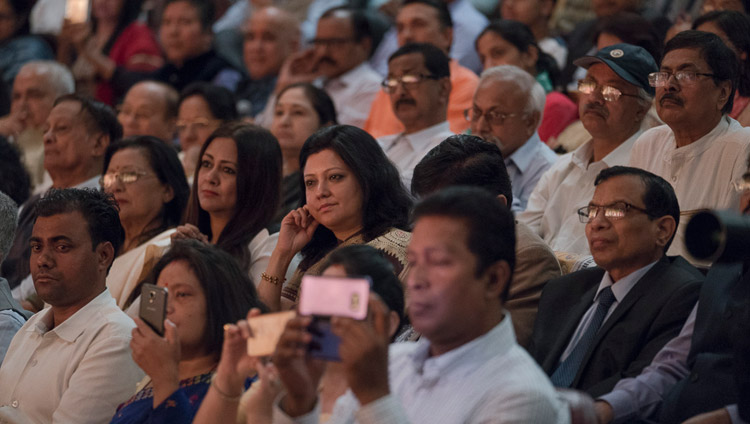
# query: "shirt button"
[[694, 377], [674, 179], [33, 362], [14, 404]]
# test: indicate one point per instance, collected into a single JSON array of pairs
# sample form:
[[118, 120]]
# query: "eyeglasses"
[[609, 93], [332, 42], [743, 184], [127, 177], [409, 81], [492, 116], [660, 79], [613, 212], [198, 124]]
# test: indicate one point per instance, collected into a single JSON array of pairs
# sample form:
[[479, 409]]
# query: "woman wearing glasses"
[[148, 183]]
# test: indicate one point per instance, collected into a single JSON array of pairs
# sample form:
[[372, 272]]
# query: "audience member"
[[77, 135], [467, 160], [300, 110], [697, 374], [12, 315], [596, 326], [112, 37], [186, 38], [202, 108], [507, 110], [270, 37], [71, 362], [353, 195], [256, 404], [146, 179], [17, 46], [477, 373], [206, 290], [14, 178], [149, 108], [734, 29], [615, 97], [699, 151], [507, 42], [536, 15], [466, 22], [418, 84], [337, 62], [35, 89], [425, 21], [236, 194]]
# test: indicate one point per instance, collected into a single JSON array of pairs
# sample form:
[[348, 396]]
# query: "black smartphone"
[[154, 307]]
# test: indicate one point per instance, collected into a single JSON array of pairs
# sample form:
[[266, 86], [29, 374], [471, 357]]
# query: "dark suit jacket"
[[651, 314], [718, 360]]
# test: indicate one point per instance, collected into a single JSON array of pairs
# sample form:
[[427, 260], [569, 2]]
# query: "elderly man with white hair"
[[507, 111], [35, 89]]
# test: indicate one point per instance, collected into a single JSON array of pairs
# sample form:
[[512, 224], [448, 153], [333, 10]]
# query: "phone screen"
[[77, 11]]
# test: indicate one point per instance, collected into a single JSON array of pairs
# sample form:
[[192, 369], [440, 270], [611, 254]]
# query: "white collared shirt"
[[77, 372], [406, 150], [567, 186], [525, 167], [489, 379], [352, 93], [619, 290], [701, 173]]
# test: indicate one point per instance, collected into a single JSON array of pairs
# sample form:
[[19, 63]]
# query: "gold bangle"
[[271, 279], [221, 393]]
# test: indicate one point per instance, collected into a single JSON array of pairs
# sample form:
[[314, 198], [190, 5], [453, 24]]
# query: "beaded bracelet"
[[271, 279]]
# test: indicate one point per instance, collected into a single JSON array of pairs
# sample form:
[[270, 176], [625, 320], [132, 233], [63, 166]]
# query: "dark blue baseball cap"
[[631, 63]]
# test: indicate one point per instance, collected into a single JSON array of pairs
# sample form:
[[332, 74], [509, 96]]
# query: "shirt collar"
[[702, 144], [72, 327], [583, 155], [623, 286], [418, 139], [524, 155], [496, 342]]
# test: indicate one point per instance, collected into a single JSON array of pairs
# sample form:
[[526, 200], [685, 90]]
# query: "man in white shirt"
[[338, 63], [467, 367], [506, 111], [79, 132], [615, 97], [35, 89], [418, 85], [71, 362], [701, 151]]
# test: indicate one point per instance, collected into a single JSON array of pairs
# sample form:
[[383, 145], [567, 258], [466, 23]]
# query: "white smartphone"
[[77, 11]]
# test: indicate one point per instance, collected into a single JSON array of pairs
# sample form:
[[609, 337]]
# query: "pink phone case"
[[331, 296]]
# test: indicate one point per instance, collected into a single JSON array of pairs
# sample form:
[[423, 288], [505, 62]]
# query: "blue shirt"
[[525, 167]]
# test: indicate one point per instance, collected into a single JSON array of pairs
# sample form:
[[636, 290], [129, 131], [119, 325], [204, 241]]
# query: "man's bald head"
[[149, 108], [270, 36]]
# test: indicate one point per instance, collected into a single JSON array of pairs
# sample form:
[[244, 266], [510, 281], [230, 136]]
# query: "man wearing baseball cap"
[[615, 98]]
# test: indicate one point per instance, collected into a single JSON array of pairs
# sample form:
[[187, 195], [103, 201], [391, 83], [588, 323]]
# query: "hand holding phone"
[[153, 310], [325, 297], [265, 332]]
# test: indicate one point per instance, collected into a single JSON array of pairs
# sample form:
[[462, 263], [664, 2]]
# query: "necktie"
[[566, 372]]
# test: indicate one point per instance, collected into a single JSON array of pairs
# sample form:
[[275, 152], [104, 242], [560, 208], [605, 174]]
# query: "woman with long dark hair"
[[235, 195], [353, 195]]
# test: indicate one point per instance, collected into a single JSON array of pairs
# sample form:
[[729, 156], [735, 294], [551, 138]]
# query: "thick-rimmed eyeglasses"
[[409, 81], [609, 93], [332, 42], [197, 124], [612, 212], [126, 177], [492, 116], [660, 79]]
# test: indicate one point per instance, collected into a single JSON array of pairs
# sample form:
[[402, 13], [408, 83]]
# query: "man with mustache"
[[701, 150], [337, 63], [615, 97], [507, 111], [418, 84]]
